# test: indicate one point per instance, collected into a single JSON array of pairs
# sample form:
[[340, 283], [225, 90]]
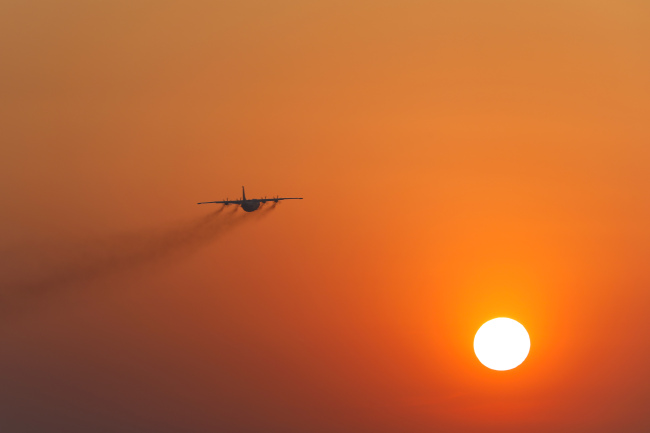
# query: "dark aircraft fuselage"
[[250, 205]]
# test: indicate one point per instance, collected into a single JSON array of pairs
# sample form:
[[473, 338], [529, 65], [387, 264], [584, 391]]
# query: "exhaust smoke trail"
[[38, 276]]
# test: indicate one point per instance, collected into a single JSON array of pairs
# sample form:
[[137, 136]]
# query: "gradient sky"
[[460, 160]]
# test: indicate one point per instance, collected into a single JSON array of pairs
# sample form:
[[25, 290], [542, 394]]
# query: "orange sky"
[[460, 161]]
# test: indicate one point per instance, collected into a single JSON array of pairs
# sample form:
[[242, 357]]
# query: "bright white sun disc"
[[501, 344]]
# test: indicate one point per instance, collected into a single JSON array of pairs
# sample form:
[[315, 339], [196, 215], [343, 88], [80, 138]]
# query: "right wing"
[[226, 202]]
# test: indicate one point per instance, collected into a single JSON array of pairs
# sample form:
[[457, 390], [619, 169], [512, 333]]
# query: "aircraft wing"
[[264, 200], [223, 202]]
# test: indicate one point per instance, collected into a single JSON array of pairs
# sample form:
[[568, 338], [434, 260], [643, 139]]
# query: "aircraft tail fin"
[[243, 193]]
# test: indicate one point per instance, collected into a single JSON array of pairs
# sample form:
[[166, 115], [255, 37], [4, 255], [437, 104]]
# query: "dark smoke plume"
[[36, 276]]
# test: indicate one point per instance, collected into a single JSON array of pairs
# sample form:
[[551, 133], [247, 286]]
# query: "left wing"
[[264, 200]]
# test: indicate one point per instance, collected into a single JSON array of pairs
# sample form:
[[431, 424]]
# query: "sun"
[[501, 344]]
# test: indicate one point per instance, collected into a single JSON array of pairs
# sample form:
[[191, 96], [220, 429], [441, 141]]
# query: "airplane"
[[251, 204]]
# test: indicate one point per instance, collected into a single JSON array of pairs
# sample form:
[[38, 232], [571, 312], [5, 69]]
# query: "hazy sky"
[[460, 161]]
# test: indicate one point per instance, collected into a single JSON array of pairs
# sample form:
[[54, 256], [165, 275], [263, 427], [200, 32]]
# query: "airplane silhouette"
[[252, 204]]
